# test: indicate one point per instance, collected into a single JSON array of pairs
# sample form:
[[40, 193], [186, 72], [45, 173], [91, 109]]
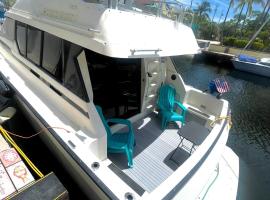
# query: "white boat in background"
[[252, 65], [265, 61], [63, 57]]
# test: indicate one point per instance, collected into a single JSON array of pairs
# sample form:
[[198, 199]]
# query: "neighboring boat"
[[63, 57], [265, 61], [252, 65]]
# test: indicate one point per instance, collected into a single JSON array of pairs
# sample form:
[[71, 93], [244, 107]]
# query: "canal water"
[[249, 98]]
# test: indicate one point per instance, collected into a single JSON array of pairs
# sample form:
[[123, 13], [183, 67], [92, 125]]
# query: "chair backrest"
[[166, 97], [108, 130]]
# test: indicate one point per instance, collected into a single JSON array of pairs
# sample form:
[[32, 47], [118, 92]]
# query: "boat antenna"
[[256, 34]]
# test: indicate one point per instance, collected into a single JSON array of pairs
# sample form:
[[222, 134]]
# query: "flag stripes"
[[221, 85]]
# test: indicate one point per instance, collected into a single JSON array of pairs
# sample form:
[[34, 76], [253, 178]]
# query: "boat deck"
[[152, 154]]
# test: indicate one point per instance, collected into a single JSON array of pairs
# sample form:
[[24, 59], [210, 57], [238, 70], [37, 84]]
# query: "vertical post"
[[116, 4], [159, 8], [109, 3]]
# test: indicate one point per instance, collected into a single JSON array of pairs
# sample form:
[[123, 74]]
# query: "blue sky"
[[222, 7]]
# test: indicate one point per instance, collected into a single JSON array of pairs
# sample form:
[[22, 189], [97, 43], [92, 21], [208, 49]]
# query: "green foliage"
[[9, 3], [264, 35], [258, 46], [203, 9], [240, 43], [229, 41], [237, 31]]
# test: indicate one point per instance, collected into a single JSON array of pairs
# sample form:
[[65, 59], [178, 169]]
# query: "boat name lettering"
[[59, 14]]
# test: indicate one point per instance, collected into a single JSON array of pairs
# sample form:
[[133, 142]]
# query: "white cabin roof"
[[111, 32]]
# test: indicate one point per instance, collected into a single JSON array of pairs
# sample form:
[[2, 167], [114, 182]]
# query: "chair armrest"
[[180, 106], [128, 124], [120, 121]]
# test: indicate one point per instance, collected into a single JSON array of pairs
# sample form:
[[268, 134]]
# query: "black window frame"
[[41, 47], [78, 70], [60, 80], [77, 67], [16, 37]]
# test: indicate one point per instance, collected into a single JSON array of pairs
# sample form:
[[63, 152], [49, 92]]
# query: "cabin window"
[[21, 37], [72, 78], [116, 84], [54, 55], [52, 59], [33, 44]]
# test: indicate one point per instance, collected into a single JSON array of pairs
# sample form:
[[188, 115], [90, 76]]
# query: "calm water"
[[249, 99]]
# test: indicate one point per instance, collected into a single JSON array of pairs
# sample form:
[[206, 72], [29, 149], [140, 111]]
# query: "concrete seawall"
[[236, 51]]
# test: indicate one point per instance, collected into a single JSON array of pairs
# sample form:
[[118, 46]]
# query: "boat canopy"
[[110, 31]]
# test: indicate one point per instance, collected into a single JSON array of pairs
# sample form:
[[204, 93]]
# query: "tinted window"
[[21, 37], [52, 61], [33, 44], [72, 78], [116, 84]]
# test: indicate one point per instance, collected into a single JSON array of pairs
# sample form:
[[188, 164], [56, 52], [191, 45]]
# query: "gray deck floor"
[[152, 163]]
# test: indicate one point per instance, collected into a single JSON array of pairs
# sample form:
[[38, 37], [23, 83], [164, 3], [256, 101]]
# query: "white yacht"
[[64, 57]]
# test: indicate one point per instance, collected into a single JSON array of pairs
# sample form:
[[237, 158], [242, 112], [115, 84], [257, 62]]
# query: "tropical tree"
[[265, 13], [241, 5], [203, 10], [191, 2], [225, 19], [229, 8], [249, 10], [8, 3]]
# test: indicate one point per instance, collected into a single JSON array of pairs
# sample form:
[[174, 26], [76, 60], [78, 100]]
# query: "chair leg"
[[129, 157], [163, 123]]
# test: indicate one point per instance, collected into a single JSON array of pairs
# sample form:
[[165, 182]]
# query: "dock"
[[222, 55], [16, 175], [215, 53]]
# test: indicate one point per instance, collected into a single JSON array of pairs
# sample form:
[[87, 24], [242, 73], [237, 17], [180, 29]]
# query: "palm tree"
[[267, 4], [215, 11], [229, 8], [8, 3], [225, 19], [191, 2], [241, 5], [265, 12], [203, 9], [249, 10]]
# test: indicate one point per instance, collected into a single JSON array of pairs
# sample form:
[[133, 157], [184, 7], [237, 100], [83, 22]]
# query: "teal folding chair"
[[167, 106], [119, 142]]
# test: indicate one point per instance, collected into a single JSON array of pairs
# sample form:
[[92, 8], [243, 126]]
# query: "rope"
[[228, 118], [29, 162], [36, 134], [7, 134]]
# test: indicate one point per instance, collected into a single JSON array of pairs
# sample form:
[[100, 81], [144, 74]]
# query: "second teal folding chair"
[[119, 142], [167, 106]]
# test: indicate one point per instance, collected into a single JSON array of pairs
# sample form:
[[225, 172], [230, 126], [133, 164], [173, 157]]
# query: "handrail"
[[144, 50], [173, 10]]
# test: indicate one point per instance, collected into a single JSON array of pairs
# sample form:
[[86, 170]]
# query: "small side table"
[[193, 132]]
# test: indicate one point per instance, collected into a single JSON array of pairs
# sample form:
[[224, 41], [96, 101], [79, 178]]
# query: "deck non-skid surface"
[[152, 163]]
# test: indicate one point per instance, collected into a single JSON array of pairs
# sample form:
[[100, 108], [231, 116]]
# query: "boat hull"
[[94, 188], [86, 184], [255, 68]]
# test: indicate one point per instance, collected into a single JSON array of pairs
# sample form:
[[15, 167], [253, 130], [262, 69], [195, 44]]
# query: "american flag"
[[221, 85]]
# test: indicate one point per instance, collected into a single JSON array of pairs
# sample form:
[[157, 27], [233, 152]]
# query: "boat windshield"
[[170, 9]]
